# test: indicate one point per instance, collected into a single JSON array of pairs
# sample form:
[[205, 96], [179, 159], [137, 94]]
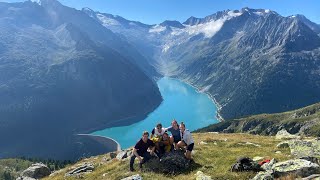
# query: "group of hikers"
[[160, 143]]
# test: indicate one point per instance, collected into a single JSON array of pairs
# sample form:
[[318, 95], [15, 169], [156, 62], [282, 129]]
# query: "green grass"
[[269, 124], [214, 159]]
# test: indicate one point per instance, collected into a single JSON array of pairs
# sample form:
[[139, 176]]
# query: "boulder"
[[25, 178], [170, 163], [122, 155], [301, 148], [201, 176], [112, 155], [312, 177], [298, 167], [284, 144], [134, 177], [83, 168], [202, 143], [264, 175], [311, 159], [38, 170], [268, 166], [283, 134]]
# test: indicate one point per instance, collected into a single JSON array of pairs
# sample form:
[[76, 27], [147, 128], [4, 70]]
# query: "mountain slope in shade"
[[250, 60], [61, 73]]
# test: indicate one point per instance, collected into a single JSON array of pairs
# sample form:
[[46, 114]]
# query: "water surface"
[[180, 101]]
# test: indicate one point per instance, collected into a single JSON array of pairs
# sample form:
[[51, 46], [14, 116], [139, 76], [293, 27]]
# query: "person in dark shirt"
[[141, 150]]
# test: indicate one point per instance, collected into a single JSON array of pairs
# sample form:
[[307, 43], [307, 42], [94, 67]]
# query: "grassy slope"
[[269, 124], [213, 160]]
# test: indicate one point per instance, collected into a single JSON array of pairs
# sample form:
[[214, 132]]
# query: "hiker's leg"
[[180, 144], [188, 154], [189, 149], [171, 139], [146, 157], [157, 146], [133, 157]]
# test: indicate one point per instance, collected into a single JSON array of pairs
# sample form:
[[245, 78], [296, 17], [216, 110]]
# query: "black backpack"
[[245, 164]]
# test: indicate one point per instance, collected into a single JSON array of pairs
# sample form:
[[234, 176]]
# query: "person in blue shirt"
[[175, 133]]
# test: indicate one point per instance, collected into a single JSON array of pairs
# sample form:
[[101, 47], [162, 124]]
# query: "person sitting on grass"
[[164, 144], [156, 135], [186, 141], [141, 150], [175, 133]]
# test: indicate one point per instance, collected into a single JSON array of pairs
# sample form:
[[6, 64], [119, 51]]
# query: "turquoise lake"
[[180, 101]]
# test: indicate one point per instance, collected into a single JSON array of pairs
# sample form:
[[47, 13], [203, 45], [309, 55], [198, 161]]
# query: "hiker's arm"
[[152, 150], [136, 154], [152, 133]]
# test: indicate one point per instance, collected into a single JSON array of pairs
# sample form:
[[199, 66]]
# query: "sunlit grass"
[[214, 158]]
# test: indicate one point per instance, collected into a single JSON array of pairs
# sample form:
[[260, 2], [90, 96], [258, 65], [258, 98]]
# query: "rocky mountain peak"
[[175, 24]]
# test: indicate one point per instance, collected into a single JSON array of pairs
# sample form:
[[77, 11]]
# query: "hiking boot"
[[131, 169]]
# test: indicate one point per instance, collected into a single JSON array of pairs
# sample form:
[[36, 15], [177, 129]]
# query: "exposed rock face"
[[283, 134], [201, 176], [236, 64], [170, 163], [302, 121], [134, 177], [283, 145], [38, 170], [298, 167], [86, 167], [264, 175], [303, 148], [122, 155]]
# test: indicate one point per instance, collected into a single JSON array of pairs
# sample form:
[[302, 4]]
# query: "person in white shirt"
[[156, 136], [186, 140]]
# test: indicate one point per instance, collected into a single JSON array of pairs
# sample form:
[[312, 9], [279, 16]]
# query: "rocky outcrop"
[[122, 155], [300, 122], [305, 148], [201, 176], [171, 163], [83, 168], [283, 134], [134, 177], [297, 167], [264, 175], [36, 171]]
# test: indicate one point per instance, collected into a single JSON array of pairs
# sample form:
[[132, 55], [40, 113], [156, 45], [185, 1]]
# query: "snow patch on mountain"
[[36, 1], [107, 21], [209, 29], [157, 29]]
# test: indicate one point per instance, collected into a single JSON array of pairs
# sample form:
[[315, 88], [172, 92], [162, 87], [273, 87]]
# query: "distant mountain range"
[[62, 73], [65, 71], [250, 60]]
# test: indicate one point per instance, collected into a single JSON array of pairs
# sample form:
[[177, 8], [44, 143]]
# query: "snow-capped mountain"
[[251, 60]]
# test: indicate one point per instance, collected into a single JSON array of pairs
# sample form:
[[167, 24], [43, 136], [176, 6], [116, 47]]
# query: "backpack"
[[245, 164]]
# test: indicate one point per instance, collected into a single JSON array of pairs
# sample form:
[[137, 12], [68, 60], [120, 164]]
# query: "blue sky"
[[156, 11]]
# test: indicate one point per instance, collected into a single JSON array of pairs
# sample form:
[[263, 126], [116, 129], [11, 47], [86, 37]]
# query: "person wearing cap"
[[141, 150], [186, 141]]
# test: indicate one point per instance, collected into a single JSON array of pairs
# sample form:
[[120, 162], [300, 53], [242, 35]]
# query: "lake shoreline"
[[197, 108], [218, 116]]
